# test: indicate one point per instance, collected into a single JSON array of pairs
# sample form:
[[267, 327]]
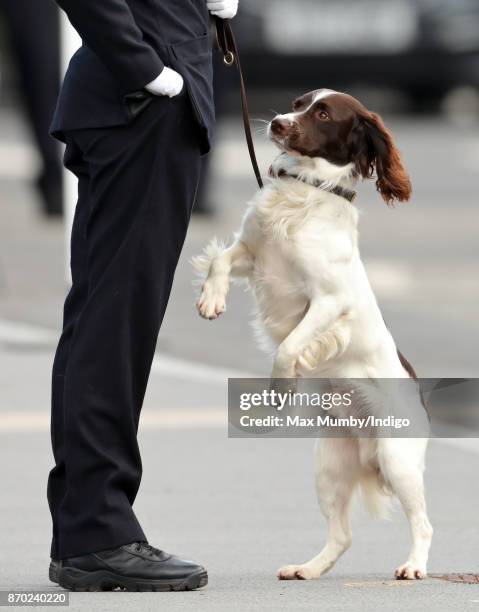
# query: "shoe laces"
[[148, 548]]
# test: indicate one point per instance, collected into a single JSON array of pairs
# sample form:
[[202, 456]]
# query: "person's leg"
[[73, 305], [142, 183], [34, 29]]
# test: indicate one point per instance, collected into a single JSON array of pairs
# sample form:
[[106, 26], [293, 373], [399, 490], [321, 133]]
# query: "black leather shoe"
[[54, 570], [132, 567]]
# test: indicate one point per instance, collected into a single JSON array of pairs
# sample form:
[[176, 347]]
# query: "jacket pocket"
[[137, 101]]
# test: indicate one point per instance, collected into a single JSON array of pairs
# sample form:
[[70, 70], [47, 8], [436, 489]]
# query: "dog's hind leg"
[[337, 474], [219, 263], [401, 464], [322, 313]]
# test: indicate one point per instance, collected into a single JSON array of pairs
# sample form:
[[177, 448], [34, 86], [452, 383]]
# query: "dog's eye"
[[323, 115], [296, 105]]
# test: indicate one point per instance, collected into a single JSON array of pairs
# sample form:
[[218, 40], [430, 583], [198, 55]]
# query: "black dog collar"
[[342, 192]]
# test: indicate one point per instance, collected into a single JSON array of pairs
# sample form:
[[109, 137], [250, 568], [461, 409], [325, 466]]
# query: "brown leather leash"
[[225, 41]]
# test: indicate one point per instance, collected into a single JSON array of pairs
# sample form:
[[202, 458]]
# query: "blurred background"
[[414, 61]]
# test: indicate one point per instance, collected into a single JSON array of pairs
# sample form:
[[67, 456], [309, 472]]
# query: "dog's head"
[[335, 126]]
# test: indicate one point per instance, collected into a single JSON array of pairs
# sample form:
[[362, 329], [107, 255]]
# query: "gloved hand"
[[225, 9], [167, 83]]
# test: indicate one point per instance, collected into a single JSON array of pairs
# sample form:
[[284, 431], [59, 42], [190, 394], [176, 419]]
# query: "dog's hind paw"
[[410, 571], [294, 572]]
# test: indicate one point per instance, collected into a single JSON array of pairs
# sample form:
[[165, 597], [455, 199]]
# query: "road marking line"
[[15, 332], [190, 418], [470, 445], [180, 418], [175, 367]]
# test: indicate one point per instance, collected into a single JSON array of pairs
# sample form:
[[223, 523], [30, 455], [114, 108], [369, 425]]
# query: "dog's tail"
[[377, 497]]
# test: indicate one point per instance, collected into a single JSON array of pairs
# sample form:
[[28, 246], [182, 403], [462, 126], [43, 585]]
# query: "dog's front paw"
[[410, 571], [212, 302], [295, 572]]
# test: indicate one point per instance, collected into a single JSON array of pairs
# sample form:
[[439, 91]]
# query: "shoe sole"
[[53, 572], [102, 580]]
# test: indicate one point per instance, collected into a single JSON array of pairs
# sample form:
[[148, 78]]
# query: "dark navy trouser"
[[136, 188]]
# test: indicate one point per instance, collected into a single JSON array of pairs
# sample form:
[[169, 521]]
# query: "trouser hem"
[[84, 544]]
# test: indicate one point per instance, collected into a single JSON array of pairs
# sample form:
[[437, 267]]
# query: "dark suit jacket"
[[126, 43]]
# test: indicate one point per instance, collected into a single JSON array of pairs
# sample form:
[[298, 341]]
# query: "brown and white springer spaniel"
[[298, 249]]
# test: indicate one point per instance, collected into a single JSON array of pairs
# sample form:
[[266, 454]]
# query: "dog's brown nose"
[[281, 126]]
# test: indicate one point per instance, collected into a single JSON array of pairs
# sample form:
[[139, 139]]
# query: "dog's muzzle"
[[282, 127]]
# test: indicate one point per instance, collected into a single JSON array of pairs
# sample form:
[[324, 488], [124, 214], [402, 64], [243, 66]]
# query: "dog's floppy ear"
[[376, 151]]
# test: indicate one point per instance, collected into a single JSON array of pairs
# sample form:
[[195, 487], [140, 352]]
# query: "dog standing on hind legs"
[[298, 250]]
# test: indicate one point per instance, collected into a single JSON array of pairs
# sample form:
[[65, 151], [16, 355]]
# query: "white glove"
[[225, 9], [167, 83]]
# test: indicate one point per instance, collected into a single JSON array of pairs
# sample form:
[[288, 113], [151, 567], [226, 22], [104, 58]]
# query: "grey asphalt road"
[[245, 507]]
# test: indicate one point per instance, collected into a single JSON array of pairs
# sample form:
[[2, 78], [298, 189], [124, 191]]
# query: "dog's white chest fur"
[[304, 242], [295, 231]]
